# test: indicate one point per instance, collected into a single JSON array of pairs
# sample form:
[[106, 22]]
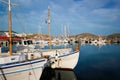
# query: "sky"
[[100, 17]]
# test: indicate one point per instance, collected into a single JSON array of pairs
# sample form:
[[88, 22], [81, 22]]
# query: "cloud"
[[82, 15], [25, 2], [106, 14], [86, 11], [54, 6], [92, 4]]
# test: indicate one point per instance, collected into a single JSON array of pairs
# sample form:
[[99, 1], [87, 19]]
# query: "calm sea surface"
[[98, 63]]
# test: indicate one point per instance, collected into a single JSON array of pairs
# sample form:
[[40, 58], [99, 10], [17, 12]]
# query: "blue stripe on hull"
[[18, 64], [6, 73], [27, 63]]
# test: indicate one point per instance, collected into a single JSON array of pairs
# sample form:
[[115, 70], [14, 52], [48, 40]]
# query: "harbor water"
[[95, 63], [99, 63]]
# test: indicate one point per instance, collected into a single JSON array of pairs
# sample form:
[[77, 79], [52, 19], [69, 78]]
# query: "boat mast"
[[10, 27], [50, 44]]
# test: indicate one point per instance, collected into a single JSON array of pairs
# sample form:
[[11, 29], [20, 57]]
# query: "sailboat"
[[66, 58], [29, 65], [19, 66]]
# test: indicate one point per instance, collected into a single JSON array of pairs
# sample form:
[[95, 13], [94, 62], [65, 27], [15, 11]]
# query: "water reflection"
[[99, 63], [58, 74], [6, 49]]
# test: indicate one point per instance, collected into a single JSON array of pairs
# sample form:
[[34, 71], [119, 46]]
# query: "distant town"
[[83, 38]]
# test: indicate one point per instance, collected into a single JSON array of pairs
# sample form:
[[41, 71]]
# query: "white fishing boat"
[[29, 65], [61, 58], [19, 66]]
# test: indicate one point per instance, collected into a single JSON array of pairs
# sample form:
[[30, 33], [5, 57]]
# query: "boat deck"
[[7, 55]]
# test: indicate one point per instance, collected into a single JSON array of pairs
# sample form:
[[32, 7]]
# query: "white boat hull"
[[22, 71], [65, 58], [32, 70], [70, 60]]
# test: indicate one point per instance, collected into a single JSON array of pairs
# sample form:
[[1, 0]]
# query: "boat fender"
[[53, 65], [60, 63], [32, 56], [56, 55], [56, 58]]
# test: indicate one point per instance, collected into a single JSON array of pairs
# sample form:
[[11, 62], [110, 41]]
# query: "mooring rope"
[[4, 77]]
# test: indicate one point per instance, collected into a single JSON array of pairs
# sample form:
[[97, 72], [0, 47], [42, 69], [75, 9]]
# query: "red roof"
[[7, 38]]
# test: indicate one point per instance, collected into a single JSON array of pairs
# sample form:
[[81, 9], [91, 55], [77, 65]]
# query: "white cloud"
[[55, 6], [25, 2], [107, 14], [88, 14], [94, 3]]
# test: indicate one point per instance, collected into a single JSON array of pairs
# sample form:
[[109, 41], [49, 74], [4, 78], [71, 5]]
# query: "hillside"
[[114, 36], [44, 36], [88, 35]]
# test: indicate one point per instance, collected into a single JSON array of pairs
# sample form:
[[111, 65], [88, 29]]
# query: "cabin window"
[[29, 42], [20, 42], [25, 42]]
